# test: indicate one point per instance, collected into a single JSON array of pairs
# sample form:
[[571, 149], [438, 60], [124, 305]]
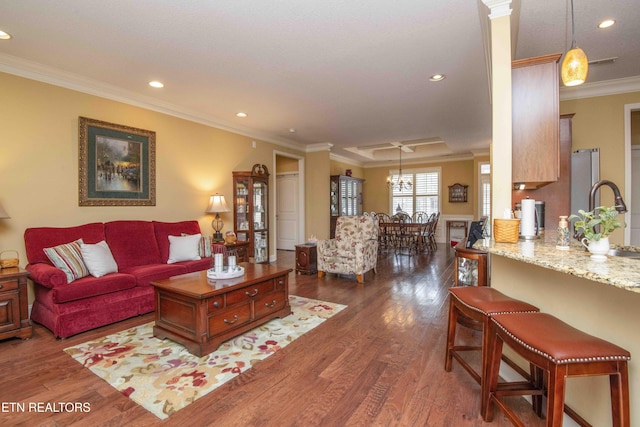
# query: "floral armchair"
[[354, 249]]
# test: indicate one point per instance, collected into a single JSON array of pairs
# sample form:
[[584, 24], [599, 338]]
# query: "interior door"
[[635, 197], [287, 211]]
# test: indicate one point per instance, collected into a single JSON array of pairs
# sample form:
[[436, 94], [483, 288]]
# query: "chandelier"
[[400, 184]]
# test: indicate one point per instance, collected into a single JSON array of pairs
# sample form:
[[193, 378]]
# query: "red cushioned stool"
[[473, 306], [561, 351]]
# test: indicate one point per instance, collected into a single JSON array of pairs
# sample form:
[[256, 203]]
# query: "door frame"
[[301, 196], [628, 109]]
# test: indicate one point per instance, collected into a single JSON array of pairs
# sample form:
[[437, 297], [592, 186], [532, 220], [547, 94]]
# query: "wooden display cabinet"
[[251, 211]]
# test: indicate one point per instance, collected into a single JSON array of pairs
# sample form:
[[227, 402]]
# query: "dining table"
[[400, 236]]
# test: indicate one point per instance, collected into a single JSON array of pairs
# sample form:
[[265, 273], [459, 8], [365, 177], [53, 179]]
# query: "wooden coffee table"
[[201, 313]]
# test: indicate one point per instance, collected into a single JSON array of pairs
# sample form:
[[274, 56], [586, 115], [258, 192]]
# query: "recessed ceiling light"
[[156, 84], [4, 36], [292, 130], [437, 77], [606, 23], [241, 114]]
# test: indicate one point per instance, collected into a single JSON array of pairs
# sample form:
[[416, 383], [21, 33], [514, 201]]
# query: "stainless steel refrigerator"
[[585, 171]]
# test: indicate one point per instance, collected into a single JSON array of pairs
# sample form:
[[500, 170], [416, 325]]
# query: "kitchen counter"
[[599, 298], [616, 271]]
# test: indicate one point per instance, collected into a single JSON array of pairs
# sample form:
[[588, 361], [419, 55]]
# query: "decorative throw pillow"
[[184, 248], [68, 258], [98, 259], [204, 247]]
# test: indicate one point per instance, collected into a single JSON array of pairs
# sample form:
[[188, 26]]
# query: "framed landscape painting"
[[117, 165]]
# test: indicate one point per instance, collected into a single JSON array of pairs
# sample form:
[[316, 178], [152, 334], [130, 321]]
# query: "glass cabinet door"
[[242, 208], [260, 218], [471, 266], [334, 197], [467, 272]]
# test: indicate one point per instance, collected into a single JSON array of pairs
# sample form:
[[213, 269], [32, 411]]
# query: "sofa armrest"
[[46, 275]]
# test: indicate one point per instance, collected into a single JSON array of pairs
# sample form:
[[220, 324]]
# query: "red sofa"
[[141, 251]]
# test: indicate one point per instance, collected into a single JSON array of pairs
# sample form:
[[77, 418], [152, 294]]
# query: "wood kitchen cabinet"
[[535, 120], [557, 195]]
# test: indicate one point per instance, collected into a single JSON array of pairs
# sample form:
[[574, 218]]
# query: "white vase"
[[597, 248]]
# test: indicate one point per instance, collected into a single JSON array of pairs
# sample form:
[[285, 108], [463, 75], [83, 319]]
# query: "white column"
[[501, 181]]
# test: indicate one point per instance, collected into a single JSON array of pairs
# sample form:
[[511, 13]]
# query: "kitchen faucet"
[[619, 203]]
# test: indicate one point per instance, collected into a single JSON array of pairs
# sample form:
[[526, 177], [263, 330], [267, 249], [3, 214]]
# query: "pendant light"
[[575, 64]]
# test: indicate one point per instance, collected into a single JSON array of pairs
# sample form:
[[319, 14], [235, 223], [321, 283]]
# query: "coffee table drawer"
[[215, 303], [281, 282], [229, 319], [270, 303], [250, 292]]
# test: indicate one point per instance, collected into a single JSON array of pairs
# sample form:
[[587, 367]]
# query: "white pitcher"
[[597, 248]]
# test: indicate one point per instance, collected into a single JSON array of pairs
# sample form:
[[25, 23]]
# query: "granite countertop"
[[616, 271]]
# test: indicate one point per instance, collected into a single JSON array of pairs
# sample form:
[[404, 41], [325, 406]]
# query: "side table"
[[14, 311], [306, 259], [455, 224], [241, 247]]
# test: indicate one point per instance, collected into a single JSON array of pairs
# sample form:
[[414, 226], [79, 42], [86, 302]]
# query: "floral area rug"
[[163, 377]]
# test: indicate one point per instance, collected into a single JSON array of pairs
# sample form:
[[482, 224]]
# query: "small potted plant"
[[595, 226]]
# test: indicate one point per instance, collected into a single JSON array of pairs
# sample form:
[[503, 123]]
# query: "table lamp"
[[217, 204]]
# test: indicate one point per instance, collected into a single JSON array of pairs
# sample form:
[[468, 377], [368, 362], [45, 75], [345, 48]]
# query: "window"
[[424, 196], [485, 190]]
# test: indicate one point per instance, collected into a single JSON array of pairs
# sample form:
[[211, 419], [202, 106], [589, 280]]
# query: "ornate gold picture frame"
[[117, 164]]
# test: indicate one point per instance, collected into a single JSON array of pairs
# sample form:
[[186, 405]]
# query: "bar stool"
[[561, 351], [473, 306]]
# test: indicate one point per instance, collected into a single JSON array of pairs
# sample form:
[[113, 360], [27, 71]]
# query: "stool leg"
[[537, 379], [492, 370], [619, 384], [451, 334], [555, 394]]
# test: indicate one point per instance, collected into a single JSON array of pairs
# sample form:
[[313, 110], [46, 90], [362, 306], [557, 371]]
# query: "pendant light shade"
[[575, 65]]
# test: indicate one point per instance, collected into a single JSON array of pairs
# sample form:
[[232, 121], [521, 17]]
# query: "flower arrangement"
[[604, 216]]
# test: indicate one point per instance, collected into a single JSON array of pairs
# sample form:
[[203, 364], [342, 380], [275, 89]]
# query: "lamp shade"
[[3, 213], [217, 204], [574, 67]]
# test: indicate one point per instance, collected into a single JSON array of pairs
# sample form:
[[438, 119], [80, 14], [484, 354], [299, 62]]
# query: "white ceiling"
[[354, 73]]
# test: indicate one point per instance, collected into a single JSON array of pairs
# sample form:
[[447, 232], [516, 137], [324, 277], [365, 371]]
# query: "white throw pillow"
[[98, 259], [184, 248]]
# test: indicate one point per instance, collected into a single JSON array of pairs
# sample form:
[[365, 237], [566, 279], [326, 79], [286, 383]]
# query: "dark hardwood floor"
[[377, 363]]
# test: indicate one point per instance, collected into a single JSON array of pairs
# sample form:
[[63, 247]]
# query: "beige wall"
[[376, 194], [340, 168], [635, 128], [286, 164], [599, 123], [39, 161], [317, 194]]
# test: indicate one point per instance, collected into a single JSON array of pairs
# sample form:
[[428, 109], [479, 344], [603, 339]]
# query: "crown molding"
[[347, 160], [322, 146], [34, 71], [603, 88], [424, 161], [498, 8]]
